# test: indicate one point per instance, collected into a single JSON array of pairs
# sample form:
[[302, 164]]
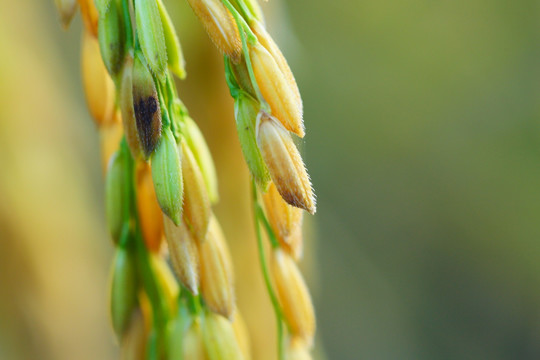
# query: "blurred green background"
[[423, 144]]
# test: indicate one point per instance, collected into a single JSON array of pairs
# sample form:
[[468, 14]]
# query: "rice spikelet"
[[133, 346], [196, 209], [293, 296], [276, 90], [286, 221], [266, 40], [150, 216], [284, 163], [216, 275], [90, 16], [66, 9], [297, 350], [183, 253], [98, 85], [110, 135], [220, 26], [219, 338]]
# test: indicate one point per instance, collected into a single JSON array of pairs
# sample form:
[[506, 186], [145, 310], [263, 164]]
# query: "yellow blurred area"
[[52, 266]]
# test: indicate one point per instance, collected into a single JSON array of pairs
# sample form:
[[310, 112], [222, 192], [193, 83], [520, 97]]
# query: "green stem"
[[234, 89], [269, 231], [246, 12], [244, 29], [128, 25], [170, 86], [240, 21], [266, 275], [125, 235], [195, 303], [163, 105], [171, 96]]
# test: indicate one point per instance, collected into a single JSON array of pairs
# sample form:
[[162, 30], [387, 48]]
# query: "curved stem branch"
[[266, 275], [244, 30]]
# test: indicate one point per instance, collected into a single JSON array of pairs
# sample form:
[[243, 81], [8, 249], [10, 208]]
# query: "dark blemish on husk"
[[295, 200], [291, 198], [148, 122]]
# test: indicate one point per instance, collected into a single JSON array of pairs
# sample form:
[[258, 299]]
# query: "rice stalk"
[[162, 180]]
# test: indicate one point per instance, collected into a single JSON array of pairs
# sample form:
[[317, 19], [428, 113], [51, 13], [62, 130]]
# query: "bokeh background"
[[423, 143]]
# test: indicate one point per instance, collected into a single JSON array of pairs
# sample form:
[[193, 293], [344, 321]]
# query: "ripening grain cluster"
[[172, 293]]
